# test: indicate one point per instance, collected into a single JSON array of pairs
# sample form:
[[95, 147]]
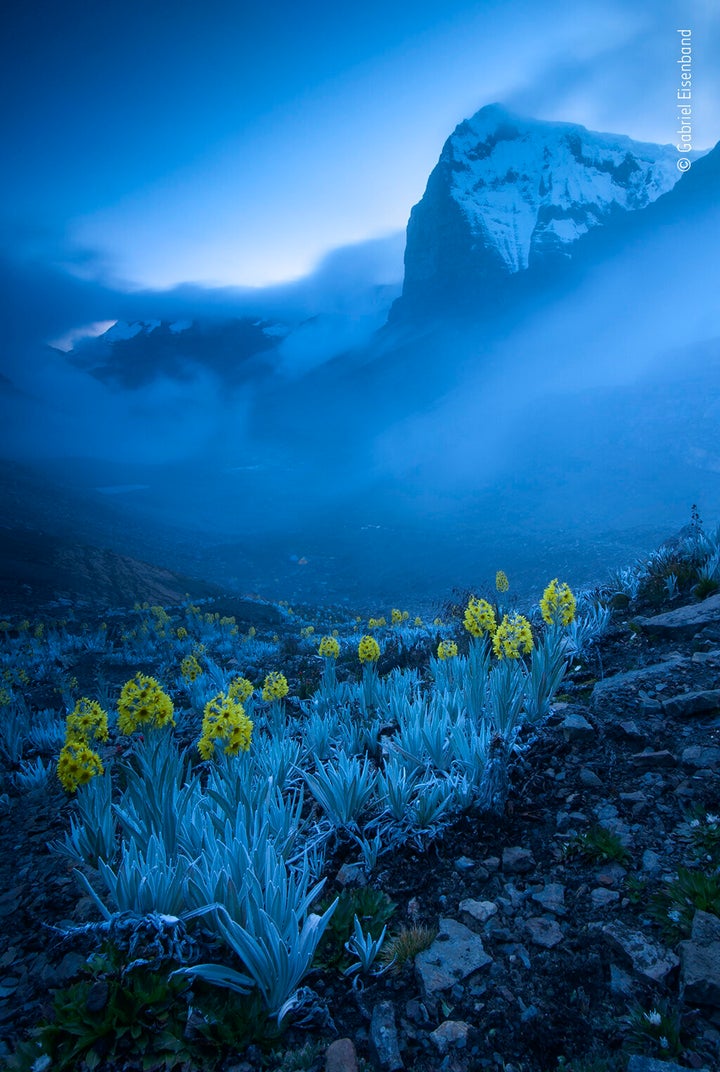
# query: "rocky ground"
[[558, 943]]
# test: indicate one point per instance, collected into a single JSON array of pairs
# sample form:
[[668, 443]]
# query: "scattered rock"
[[464, 863], [619, 687], [683, 622], [698, 757], [384, 1037], [611, 874], [543, 931], [602, 897], [551, 898], [692, 703], [455, 954], [341, 1056], [577, 729], [647, 957], [452, 1034], [517, 860], [638, 1063], [479, 910], [98, 995], [700, 959], [649, 760]]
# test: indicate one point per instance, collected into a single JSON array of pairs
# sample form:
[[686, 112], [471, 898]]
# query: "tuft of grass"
[[599, 845], [406, 944], [673, 908], [654, 1032]]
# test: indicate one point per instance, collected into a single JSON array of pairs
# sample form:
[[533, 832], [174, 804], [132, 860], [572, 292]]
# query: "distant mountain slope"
[[511, 194]]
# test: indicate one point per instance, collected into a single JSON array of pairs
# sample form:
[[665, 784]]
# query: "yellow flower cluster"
[[190, 668], [447, 649], [418, 621], [557, 604], [329, 647], [143, 703], [181, 632], [77, 762], [224, 719], [376, 623], [513, 637], [87, 720], [502, 584], [275, 686], [368, 650], [479, 617], [307, 631], [240, 689], [399, 616]]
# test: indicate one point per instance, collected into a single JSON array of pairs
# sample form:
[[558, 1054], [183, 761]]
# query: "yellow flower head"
[[479, 617], [241, 689], [368, 650], [77, 764], [557, 604], [190, 668], [87, 720], [447, 649], [181, 632], [143, 703], [513, 637], [376, 623], [329, 647], [224, 719], [396, 616], [275, 686], [502, 584]]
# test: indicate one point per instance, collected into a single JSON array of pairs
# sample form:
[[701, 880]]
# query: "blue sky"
[[151, 143]]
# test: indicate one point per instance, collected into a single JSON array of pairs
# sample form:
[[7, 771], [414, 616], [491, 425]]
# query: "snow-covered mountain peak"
[[508, 193]]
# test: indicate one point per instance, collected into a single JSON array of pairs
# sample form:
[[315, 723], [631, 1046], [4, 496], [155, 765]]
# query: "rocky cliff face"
[[511, 194]]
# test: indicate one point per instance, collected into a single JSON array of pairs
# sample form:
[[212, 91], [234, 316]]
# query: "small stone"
[[620, 981], [456, 953], [452, 1034], [351, 875], [649, 760], [577, 729], [492, 864], [697, 757], [341, 1056], [98, 995], [479, 910], [692, 703], [639, 1063], [629, 731], [636, 797], [603, 898], [543, 931], [517, 860], [384, 1037], [651, 862], [551, 898], [705, 927], [610, 875], [464, 863], [589, 779], [648, 957]]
